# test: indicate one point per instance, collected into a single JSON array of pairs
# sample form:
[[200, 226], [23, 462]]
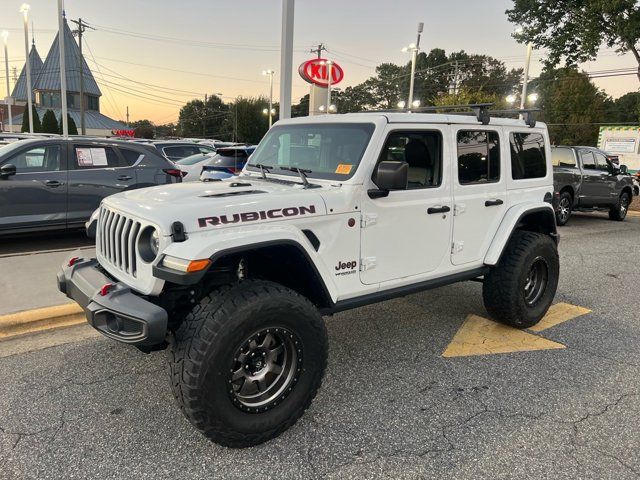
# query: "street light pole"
[[24, 9], [63, 71], [5, 35], [414, 49], [329, 65], [525, 82], [270, 74]]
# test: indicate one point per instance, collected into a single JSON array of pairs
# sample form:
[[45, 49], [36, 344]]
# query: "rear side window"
[[131, 157], [528, 158], [180, 151], [602, 163], [588, 160], [478, 157], [92, 156], [563, 157], [38, 159]]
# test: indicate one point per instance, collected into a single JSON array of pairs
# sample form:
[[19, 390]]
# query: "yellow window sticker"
[[344, 169]]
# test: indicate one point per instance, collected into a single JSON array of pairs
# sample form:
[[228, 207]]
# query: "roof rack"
[[480, 110]]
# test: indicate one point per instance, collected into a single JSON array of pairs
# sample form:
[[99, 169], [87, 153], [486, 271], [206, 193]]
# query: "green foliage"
[[204, 120], [71, 125], [466, 95], [37, 126], [625, 109], [569, 99], [143, 128], [575, 30], [49, 122], [246, 122]]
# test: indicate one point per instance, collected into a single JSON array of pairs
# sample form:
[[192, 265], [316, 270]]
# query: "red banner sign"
[[316, 71], [123, 133]]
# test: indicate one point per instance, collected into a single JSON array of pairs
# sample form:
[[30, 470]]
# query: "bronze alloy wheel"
[[536, 281], [265, 369]]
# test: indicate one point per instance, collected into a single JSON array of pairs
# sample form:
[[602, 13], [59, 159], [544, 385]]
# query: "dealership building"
[[45, 79]]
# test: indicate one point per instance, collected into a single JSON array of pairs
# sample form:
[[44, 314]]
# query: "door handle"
[[433, 210], [125, 177], [53, 183], [493, 203]]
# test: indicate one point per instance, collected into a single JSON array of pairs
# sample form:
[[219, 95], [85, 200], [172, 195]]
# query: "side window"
[[528, 158], [602, 164], [588, 160], [131, 157], [563, 157], [91, 156], [478, 157], [422, 151], [204, 149], [37, 159], [180, 151]]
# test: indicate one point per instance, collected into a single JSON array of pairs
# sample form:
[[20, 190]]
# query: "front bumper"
[[119, 314]]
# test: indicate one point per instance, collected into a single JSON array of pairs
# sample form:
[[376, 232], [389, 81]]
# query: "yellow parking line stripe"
[[559, 313], [480, 336], [632, 213], [32, 321]]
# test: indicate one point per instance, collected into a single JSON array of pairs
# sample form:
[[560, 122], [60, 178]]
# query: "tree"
[[200, 119], [571, 104], [466, 96], [246, 122], [625, 109], [143, 129], [71, 125], [49, 122], [301, 109], [37, 126], [576, 29]]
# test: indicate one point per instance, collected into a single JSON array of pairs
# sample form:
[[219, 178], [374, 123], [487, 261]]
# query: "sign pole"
[[5, 35], [63, 70], [286, 58]]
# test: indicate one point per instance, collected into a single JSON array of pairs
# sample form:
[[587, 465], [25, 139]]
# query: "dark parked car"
[[57, 183], [586, 179], [225, 163], [177, 150]]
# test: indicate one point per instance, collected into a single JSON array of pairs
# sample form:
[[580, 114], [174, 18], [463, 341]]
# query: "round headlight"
[[154, 242], [149, 244]]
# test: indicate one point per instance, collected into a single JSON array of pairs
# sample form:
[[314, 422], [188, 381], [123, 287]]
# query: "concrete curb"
[[48, 318]]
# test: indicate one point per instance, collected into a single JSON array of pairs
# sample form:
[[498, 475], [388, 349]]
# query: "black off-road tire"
[[564, 203], [203, 350], [504, 290], [619, 211]]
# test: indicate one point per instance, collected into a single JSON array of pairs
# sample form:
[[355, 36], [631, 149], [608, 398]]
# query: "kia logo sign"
[[317, 72]]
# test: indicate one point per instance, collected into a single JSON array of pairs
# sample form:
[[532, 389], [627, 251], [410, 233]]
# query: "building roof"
[[93, 120], [20, 89], [49, 78]]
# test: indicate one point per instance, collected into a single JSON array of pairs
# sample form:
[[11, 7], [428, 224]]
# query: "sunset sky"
[[154, 55]]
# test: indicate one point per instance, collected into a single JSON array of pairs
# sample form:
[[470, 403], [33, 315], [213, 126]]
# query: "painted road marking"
[[480, 336], [559, 313], [633, 213], [40, 319]]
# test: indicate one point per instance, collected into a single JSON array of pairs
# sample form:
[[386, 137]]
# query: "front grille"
[[116, 240]]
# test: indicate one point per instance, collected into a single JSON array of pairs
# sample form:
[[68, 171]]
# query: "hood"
[[203, 206]]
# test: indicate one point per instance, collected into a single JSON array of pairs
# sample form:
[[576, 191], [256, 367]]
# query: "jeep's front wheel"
[[519, 290], [247, 362]]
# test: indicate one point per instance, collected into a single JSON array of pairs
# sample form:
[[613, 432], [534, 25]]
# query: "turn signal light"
[[73, 261], [198, 265], [106, 288]]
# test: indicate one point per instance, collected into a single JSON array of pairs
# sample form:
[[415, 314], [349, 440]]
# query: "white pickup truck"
[[330, 213]]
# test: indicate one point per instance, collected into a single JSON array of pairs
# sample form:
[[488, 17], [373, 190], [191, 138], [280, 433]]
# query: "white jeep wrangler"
[[330, 213]]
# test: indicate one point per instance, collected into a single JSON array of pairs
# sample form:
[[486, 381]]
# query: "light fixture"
[[410, 48], [533, 98], [333, 108], [322, 108], [24, 9], [511, 99], [402, 104], [5, 35], [415, 103]]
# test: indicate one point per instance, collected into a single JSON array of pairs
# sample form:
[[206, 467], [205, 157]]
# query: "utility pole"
[[414, 48], [453, 88], [5, 35], [204, 118], [63, 70], [24, 9], [82, 26], [318, 51], [127, 116]]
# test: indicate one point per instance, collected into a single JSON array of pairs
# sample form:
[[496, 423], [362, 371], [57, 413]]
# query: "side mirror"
[[390, 175], [7, 170], [624, 170]]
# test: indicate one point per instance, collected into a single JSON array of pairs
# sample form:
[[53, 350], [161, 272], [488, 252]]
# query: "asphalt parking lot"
[[391, 405]]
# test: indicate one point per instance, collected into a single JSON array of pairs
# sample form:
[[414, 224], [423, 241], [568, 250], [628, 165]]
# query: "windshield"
[[193, 159], [328, 151]]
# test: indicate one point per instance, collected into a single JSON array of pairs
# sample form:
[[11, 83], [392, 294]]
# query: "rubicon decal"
[[255, 216]]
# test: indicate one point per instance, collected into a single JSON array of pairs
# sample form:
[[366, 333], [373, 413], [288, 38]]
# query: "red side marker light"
[[105, 288], [73, 261]]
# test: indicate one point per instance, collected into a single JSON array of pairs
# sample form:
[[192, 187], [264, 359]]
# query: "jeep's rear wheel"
[[619, 211], [519, 290], [247, 362]]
